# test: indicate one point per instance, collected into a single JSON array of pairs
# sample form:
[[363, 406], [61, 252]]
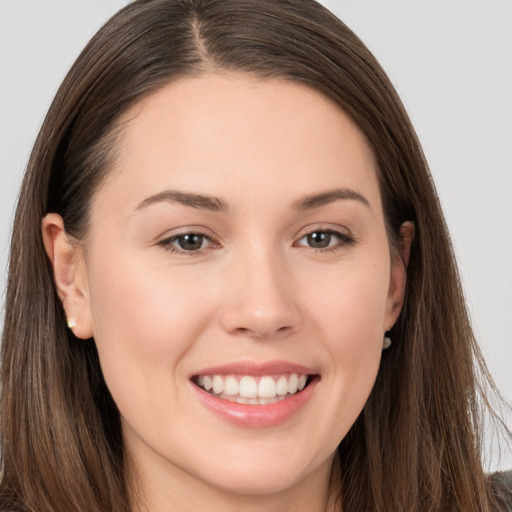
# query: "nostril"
[[244, 320], [263, 333]]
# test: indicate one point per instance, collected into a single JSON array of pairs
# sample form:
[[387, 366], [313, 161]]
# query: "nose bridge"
[[261, 302]]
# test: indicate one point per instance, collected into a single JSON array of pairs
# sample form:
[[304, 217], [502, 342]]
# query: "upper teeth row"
[[249, 387]]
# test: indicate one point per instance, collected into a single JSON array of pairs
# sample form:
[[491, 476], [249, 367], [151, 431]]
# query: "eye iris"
[[190, 242], [319, 239]]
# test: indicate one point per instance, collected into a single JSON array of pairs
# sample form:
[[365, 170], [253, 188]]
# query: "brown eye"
[[190, 242], [325, 239], [319, 239]]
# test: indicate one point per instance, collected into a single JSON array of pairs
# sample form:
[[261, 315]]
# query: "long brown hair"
[[416, 445]]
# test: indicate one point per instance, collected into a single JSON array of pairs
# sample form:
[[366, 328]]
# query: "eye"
[[187, 243], [319, 239], [325, 239]]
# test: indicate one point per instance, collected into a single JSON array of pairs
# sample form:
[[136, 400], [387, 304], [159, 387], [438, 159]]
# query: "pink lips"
[[257, 416]]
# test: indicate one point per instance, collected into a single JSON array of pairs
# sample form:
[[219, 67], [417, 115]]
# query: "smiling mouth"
[[252, 390]]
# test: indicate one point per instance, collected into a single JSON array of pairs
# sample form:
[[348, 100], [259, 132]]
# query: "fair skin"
[[275, 282]]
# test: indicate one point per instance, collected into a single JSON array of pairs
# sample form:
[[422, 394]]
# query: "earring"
[[71, 323], [387, 343]]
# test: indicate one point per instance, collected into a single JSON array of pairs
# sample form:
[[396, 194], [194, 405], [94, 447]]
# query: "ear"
[[70, 275], [398, 277]]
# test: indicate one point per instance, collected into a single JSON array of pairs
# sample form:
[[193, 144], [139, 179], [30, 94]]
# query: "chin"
[[260, 474], [255, 481]]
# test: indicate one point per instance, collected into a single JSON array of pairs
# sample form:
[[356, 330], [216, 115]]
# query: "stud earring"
[[387, 343], [71, 323]]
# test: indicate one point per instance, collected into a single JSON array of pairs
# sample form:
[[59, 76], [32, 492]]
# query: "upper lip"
[[256, 369]]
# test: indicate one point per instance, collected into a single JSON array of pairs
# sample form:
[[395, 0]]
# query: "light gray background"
[[451, 62]]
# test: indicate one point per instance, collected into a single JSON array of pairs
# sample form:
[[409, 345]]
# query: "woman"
[[231, 285]]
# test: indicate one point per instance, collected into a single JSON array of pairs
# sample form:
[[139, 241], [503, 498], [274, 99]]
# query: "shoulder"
[[501, 483]]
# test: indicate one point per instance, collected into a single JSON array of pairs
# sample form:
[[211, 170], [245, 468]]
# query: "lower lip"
[[256, 416]]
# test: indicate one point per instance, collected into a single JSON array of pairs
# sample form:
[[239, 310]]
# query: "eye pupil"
[[319, 239], [190, 242]]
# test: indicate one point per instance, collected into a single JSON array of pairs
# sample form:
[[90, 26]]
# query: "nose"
[[261, 298]]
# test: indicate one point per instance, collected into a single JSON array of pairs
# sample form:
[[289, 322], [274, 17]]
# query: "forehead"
[[225, 133]]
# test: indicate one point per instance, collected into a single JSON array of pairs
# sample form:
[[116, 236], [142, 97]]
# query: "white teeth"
[[254, 401], [218, 384], [267, 388], [253, 390], [207, 382], [248, 387], [282, 386], [231, 386], [293, 383]]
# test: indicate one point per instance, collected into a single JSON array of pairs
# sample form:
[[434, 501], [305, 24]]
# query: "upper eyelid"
[[322, 229], [174, 237], [187, 230], [341, 230], [339, 234]]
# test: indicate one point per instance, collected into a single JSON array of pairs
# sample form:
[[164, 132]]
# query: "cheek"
[[145, 319], [350, 306], [349, 314]]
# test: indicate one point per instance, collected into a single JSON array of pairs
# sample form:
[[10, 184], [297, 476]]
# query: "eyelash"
[[167, 243], [343, 240]]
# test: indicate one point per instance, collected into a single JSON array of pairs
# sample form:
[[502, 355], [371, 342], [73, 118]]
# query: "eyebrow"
[[324, 198], [216, 204], [198, 201]]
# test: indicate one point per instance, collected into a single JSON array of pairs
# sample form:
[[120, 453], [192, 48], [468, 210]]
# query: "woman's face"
[[239, 243]]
